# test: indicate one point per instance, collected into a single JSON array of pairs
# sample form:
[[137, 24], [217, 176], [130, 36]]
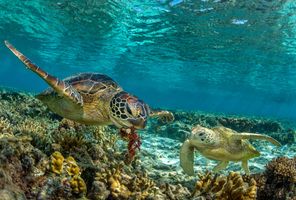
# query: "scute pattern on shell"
[[91, 83]]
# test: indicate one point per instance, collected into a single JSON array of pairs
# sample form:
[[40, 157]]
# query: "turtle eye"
[[128, 109], [201, 133]]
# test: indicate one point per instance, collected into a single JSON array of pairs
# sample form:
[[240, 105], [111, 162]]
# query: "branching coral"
[[123, 186], [40, 130], [70, 136], [113, 179], [5, 126], [20, 104], [68, 140], [142, 184], [118, 190], [225, 188], [172, 192]]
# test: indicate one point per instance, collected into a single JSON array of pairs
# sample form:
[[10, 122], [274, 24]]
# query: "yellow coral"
[[118, 190], [72, 167], [78, 185], [122, 186], [5, 126], [223, 188], [30, 125], [141, 185], [56, 162]]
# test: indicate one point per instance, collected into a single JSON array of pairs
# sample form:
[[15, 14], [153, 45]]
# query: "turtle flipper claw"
[[166, 117], [163, 116]]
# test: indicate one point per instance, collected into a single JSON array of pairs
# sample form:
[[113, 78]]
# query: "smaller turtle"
[[221, 144]]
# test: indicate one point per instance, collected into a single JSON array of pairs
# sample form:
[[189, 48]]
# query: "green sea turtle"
[[94, 99], [221, 144]]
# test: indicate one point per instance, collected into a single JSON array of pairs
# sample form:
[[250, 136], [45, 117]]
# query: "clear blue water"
[[235, 56]]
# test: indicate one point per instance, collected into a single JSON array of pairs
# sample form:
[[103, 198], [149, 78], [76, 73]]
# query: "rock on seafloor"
[[43, 156]]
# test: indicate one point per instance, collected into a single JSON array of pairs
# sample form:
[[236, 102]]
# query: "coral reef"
[[22, 167], [5, 126], [43, 156], [279, 180], [56, 162], [63, 178], [78, 185], [72, 167], [124, 186], [225, 188]]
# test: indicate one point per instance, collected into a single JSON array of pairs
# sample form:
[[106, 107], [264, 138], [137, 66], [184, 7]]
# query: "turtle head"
[[128, 111], [202, 136]]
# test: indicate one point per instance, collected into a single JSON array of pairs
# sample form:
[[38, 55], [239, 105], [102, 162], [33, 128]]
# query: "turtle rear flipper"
[[245, 166], [256, 137], [187, 158], [220, 166], [61, 87]]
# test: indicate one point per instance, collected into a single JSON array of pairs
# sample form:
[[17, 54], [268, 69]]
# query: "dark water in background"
[[231, 56]]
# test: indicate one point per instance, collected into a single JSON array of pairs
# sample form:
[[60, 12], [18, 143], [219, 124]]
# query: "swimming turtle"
[[221, 144], [94, 99]]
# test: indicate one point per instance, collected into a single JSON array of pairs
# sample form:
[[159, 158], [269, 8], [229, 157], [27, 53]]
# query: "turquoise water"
[[212, 63], [236, 57]]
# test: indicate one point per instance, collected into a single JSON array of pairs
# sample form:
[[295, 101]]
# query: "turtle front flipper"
[[255, 136], [187, 158], [163, 115], [61, 87]]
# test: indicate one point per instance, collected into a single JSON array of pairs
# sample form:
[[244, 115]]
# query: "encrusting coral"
[[231, 187], [56, 162], [72, 167], [279, 180], [78, 185]]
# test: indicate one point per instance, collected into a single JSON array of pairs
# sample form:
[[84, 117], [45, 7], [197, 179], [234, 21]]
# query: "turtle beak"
[[138, 123]]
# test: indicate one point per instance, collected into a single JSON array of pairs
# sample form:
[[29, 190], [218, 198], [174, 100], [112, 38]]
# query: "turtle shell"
[[88, 84], [92, 83]]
